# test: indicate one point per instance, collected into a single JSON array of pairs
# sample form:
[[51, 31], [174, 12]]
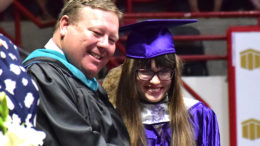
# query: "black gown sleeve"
[[58, 115]]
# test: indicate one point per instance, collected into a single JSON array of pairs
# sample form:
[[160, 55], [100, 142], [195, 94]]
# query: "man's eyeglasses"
[[147, 74]]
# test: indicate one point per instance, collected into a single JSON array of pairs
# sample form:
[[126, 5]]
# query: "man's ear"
[[64, 23]]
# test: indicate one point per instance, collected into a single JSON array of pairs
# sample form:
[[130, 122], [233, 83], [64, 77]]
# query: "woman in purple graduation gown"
[[149, 97]]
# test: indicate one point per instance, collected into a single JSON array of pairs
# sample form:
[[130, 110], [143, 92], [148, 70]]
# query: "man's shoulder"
[[42, 67], [44, 63]]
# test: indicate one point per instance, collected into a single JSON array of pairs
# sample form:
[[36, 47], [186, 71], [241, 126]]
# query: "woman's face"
[[154, 83]]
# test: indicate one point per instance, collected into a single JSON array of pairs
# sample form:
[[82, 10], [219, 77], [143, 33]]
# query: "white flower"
[[19, 135], [14, 133], [3, 139]]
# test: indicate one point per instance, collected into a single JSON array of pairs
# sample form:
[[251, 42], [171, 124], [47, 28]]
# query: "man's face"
[[89, 42]]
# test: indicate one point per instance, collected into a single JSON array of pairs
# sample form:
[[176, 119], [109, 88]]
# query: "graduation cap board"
[[151, 38]]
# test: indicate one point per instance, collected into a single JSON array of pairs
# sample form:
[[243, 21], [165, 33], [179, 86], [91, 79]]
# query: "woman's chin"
[[153, 98]]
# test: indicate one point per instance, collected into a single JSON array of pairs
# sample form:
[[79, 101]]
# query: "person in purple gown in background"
[[148, 91]]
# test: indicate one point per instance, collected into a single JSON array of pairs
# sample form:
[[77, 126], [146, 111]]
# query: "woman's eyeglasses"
[[148, 74]]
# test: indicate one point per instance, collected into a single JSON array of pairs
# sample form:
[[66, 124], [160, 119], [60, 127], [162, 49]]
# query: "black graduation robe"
[[70, 113]]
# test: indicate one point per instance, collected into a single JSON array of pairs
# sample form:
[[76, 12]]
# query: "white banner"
[[246, 61]]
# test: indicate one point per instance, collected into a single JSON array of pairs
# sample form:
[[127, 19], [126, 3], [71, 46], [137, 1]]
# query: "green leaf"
[[4, 111], [2, 126]]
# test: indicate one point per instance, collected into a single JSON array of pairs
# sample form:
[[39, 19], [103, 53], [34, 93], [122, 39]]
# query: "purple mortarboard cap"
[[151, 38]]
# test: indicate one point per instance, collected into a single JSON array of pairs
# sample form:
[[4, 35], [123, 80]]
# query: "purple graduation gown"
[[205, 126]]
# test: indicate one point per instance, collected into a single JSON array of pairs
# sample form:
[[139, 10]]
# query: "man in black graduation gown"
[[74, 109]]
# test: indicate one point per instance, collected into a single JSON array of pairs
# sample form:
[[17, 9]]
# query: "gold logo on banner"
[[251, 129], [250, 59]]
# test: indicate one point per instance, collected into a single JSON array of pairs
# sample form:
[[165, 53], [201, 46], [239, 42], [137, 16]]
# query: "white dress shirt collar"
[[52, 46]]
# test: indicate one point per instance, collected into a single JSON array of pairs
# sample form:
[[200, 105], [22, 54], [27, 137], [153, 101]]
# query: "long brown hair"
[[127, 101]]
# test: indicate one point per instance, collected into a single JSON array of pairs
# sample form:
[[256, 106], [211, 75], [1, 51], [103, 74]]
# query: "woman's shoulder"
[[204, 122], [21, 90], [190, 102], [8, 48], [196, 107]]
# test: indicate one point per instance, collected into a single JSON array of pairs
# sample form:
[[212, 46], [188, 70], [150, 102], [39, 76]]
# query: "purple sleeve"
[[205, 125]]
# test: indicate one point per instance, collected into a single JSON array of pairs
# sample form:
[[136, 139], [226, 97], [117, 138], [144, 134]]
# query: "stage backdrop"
[[244, 85]]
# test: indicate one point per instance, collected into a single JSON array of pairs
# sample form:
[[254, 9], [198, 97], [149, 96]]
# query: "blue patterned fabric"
[[21, 90]]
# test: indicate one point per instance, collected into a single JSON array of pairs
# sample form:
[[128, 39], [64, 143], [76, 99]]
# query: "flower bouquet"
[[12, 133]]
